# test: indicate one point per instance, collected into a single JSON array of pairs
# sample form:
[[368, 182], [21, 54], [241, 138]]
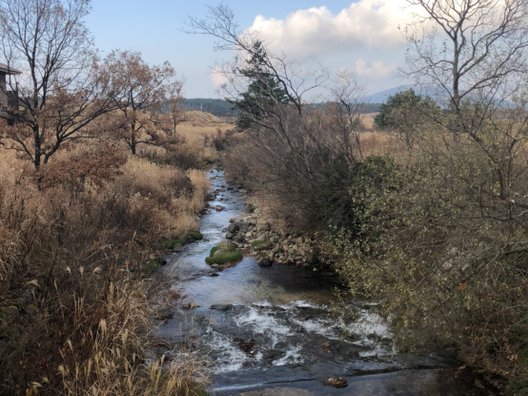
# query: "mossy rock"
[[262, 244], [172, 243], [194, 235], [179, 241], [223, 254], [214, 250]]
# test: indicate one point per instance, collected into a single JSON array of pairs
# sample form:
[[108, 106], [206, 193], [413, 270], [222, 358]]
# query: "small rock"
[[219, 208], [337, 382], [271, 355], [221, 307], [190, 306], [165, 315], [229, 235], [246, 346], [213, 274]]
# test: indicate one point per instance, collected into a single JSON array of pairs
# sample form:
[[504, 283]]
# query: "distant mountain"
[[382, 96], [436, 93]]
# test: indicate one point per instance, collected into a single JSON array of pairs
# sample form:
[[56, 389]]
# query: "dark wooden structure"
[[7, 98]]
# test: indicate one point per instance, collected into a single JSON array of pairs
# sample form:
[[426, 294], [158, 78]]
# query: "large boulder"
[[221, 307], [265, 262], [233, 228]]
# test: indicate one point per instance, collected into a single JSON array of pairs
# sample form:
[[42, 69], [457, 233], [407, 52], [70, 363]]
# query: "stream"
[[271, 330]]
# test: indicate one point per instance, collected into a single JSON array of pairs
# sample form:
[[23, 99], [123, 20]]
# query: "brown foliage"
[[75, 306], [89, 166]]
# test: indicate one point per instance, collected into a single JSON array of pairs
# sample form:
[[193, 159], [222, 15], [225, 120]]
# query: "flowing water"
[[272, 327]]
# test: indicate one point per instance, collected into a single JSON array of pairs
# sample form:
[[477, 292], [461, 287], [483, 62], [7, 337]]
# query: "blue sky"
[[357, 36]]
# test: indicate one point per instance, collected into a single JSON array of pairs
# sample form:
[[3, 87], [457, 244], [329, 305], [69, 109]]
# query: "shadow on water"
[[271, 328]]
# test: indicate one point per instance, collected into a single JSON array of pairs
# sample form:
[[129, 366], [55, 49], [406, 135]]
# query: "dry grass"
[[76, 310], [376, 143], [118, 353], [199, 126], [193, 145], [367, 121], [199, 129], [201, 186]]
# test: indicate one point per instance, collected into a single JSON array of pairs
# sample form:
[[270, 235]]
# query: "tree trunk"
[[38, 148], [133, 143]]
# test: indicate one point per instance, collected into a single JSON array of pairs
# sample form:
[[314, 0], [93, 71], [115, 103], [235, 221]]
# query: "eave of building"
[[8, 70]]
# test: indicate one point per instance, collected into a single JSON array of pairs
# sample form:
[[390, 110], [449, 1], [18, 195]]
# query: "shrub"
[[448, 258], [404, 109], [347, 194]]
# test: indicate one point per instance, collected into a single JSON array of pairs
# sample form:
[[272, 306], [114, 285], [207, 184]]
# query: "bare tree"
[[479, 64], [145, 90], [344, 110], [62, 87], [176, 115], [475, 54]]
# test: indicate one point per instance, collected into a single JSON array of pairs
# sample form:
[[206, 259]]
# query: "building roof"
[[8, 70]]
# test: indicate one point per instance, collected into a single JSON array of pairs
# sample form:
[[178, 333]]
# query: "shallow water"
[[276, 329]]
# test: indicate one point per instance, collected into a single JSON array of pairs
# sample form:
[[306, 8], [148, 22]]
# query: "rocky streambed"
[[270, 329]]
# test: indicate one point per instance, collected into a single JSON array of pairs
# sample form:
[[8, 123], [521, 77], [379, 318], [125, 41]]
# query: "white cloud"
[[374, 69], [371, 24]]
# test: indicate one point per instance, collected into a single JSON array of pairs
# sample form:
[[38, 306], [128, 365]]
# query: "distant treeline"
[[222, 107], [363, 108], [218, 107]]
